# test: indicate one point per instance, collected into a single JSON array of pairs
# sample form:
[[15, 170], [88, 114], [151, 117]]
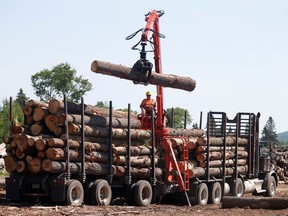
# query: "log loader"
[[185, 163]]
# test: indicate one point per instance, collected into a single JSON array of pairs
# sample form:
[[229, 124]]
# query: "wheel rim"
[[218, 193], [76, 194], [204, 196], [145, 193], [104, 193], [272, 188]]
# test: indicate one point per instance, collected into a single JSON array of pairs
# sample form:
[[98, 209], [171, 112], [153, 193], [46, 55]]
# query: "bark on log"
[[219, 141], [201, 148], [10, 163], [135, 150], [137, 173], [216, 171], [60, 167], [218, 163], [99, 157], [21, 141], [27, 110], [165, 80], [60, 143], [219, 155], [186, 132], [104, 132], [36, 103], [56, 105], [136, 161], [59, 154], [255, 202]]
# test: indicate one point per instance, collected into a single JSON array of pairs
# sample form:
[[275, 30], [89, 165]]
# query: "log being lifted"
[[123, 72]]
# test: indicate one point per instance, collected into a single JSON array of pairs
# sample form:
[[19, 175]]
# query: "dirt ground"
[[37, 208]]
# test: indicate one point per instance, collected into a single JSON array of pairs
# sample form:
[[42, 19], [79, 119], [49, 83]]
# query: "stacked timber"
[[40, 145], [213, 156]]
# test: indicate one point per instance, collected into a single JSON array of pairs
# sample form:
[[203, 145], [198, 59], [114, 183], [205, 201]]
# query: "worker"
[[148, 104]]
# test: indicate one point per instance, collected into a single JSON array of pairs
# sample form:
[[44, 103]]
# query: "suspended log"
[[104, 132], [218, 163], [135, 150], [165, 80], [36, 103], [255, 202], [40, 113], [59, 154], [35, 165], [10, 163], [186, 132]]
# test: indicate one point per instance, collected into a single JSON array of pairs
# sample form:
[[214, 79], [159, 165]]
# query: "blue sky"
[[236, 50]]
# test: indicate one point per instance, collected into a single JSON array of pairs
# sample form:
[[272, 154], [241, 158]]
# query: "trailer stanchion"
[[67, 170], [110, 169], [82, 147], [11, 115], [152, 174], [128, 149]]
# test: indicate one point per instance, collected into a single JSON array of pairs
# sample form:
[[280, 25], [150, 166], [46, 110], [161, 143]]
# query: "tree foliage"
[[21, 98], [269, 134], [60, 80], [179, 117], [17, 116]]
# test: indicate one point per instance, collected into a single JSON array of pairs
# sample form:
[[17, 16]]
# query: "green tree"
[[60, 80], [18, 116], [21, 98], [102, 104], [269, 134], [179, 117]]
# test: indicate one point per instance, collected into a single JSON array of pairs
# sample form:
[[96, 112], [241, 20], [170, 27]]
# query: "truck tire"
[[202, 194], [238, 188], [101, 193], [142, 193], [215, 193], [74, 192], [271, 187]]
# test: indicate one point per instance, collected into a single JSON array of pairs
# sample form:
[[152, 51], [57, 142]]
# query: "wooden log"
[[201, 148], [36, 129], [116, 141], [217, 155], [135, 150], [190, 165], [36, 103], [35, 165], [104, 132], [19, 154], [28, 120], [21, 166], [10, 163], [137, 173], [177, 141], [219, 141], [21, 141], [27, 110], [136, 161], [165, 80], [99, 157], [31, 140], [28, 158], [255, 202], [41, 154], [60, 167], [40, 113], [218, 163], [40, 144], [59, 154], [16, 129], [186, 132], [217, 171], [103, 147], [52, 122], [56, 105], [60, 143]]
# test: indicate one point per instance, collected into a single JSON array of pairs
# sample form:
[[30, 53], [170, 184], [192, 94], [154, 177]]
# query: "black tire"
[[202, 194], [271, 187], [215, 193], [142, 193], [74, 192], [101, 193], [238, 188]]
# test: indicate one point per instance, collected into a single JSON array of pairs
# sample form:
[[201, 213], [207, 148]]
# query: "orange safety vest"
[[148, 102]]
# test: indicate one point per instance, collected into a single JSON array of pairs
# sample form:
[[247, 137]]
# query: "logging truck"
[[78, 153]]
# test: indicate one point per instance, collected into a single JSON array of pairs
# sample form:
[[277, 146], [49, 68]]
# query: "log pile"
[[279, 159], [40, 145]]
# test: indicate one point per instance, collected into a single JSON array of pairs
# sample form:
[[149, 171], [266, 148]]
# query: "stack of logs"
[[39, 146]]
